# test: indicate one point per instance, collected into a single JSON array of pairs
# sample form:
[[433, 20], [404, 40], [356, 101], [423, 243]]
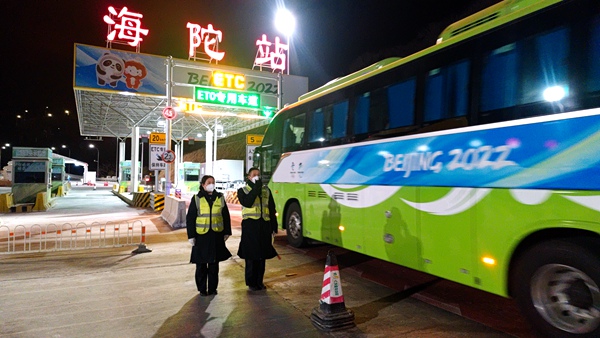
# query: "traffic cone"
[[331, 314]]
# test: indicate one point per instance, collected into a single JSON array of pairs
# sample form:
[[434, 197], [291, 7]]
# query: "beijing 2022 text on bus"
[[476, 160]]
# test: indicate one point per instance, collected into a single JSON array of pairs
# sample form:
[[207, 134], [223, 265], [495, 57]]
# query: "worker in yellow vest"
[[208, 227], [259, 225]]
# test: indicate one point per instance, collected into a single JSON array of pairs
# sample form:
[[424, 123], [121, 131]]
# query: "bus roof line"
[[390, 63]]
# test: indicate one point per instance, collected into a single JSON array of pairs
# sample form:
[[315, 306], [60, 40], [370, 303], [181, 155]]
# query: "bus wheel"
[[293, 222], [556, 286]]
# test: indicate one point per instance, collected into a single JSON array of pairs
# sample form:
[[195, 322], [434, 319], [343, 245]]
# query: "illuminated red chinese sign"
[[129, 28], [211, 38], [275, 58]]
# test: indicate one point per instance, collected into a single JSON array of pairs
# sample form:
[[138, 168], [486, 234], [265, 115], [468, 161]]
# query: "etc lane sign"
[[157, 149], [254, 89]]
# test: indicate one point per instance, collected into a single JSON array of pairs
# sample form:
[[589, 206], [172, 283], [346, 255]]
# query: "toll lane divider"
[[141, 199], [231, 197], [157, 201], [67, 236], [174, 212]]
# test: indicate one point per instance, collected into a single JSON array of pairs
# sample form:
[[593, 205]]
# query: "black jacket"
[[257, 240], [210, 247]]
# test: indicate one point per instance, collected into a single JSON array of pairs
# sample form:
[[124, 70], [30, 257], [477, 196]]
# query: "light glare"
[[285, 22], [555, 93], [488, 260]]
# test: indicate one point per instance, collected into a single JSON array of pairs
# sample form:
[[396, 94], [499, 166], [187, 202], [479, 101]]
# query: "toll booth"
[[125, 174], [189, 177], [32, 174], [58, 176]]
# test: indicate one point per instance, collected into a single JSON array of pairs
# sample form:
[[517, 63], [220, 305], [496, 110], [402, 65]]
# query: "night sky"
[[332, 38]]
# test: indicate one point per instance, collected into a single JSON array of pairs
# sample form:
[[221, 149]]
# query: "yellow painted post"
[[4, 207]]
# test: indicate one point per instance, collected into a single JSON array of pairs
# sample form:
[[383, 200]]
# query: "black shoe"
[[203, 294], [262, 287], [210, 293], [254, 288]]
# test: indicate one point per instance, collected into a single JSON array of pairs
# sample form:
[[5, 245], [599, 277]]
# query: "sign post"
[[156, 149], [252, 141]]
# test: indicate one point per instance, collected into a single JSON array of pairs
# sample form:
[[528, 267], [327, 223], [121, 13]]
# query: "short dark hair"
[[205, 178], [251, 169]]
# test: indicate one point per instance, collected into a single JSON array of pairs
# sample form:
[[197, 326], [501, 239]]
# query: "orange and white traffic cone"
[[331, 314]]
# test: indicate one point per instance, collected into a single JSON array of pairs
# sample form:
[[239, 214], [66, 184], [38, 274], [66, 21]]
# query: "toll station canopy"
[[117, 91]]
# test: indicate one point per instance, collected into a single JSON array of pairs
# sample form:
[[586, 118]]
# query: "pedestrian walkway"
[[114, 293]]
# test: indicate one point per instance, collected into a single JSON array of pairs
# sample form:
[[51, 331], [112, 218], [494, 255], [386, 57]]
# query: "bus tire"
[[555, 285], [293, 226]]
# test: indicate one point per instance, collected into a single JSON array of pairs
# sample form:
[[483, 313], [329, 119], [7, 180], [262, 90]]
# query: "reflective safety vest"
[[257, 210], [209, 218]]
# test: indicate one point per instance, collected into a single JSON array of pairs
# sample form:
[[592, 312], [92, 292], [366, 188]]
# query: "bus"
[[476, 160]]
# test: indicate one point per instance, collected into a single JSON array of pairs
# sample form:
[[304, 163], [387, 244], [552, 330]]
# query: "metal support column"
[[135, 151]]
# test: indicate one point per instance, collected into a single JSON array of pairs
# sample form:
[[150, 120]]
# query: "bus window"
[[340, 119], [317, 126], [500, 73], [378, 111], [447, 92], [401, 103], [361, 114], [293, 132], [545, 59], [593, 73]]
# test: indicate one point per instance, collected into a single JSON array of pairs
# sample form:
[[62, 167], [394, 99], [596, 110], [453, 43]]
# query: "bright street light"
[[69, 149], [286, 24], [6, 145], [97, 161]]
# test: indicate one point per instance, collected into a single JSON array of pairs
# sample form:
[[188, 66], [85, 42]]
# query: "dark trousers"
[[207, 272], [255, 271]]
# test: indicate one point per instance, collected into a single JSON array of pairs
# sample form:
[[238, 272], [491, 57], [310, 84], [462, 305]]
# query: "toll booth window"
[[191, 176], [30, 172], [56, 176]]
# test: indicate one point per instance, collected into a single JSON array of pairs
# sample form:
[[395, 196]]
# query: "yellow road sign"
[[158, 138], [254, 139]]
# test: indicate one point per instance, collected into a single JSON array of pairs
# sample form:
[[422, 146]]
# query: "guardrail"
[[52, 237]]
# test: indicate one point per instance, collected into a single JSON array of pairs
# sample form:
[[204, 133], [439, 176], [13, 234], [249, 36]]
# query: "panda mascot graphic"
[[109, 70]]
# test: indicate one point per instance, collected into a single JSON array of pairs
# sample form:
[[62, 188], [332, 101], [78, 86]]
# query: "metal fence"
[[53, 237]]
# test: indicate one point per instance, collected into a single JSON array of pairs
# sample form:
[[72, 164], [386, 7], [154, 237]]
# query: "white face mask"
[[254, 179], [210, 188]]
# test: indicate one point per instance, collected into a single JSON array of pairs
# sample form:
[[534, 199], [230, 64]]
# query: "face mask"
[[210, 188], [254, 179]]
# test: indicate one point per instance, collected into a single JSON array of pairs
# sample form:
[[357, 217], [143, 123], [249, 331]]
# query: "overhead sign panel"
[[111, 69], [225, 97]]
